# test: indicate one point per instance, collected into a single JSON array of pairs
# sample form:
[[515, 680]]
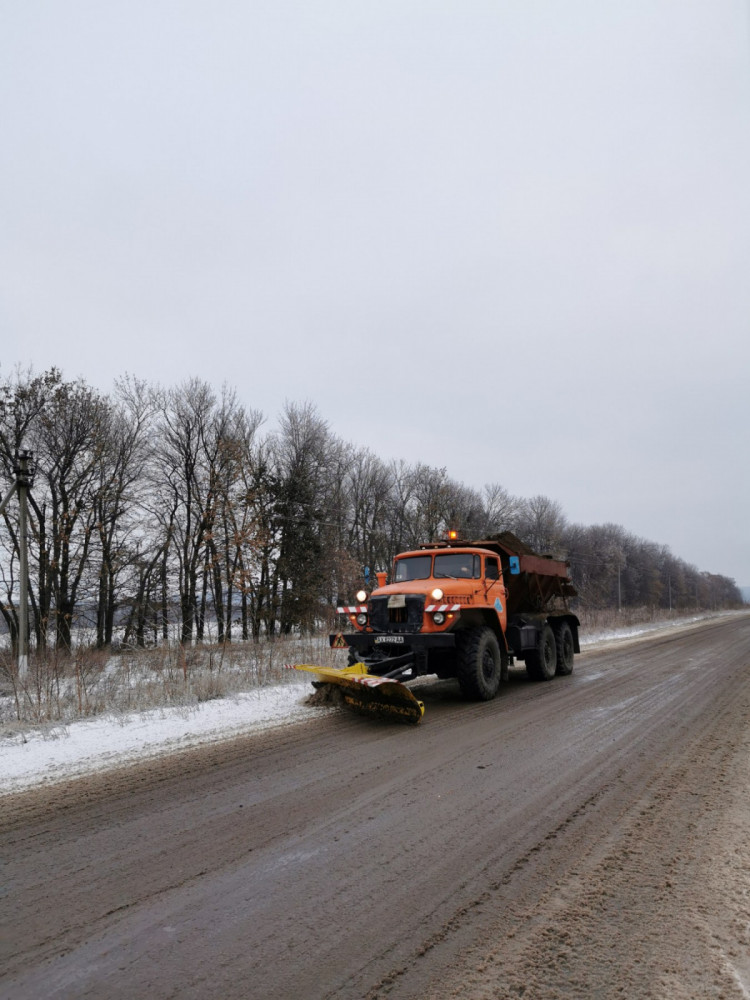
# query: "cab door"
[[495, 589]]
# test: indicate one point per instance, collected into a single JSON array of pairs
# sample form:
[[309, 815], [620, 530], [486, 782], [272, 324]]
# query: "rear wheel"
[[479, 663], [565, 649], [541, 662]]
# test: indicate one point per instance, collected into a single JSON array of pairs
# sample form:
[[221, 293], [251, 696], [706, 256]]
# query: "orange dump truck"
[[463, 609], [466, 609]]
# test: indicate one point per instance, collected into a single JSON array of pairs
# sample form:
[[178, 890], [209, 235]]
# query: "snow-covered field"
[[45, 755]]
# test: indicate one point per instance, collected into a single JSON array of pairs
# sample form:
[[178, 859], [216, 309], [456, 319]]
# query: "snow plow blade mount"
[[369, 694]]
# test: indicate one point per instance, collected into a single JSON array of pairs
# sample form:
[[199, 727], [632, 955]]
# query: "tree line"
[[160, 511]]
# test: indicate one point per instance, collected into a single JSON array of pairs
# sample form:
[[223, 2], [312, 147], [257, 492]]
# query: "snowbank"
[[47, 755]]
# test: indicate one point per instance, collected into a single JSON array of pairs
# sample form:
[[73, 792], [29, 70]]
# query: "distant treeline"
[[157, 511]]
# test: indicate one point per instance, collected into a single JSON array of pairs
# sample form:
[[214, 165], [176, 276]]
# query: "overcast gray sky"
[[507, 237]]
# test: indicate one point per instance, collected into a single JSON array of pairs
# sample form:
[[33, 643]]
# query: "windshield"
[[413, 568], [448, 565], [458, 566]]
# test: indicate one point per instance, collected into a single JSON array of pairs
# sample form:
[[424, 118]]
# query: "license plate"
[[388, 638]]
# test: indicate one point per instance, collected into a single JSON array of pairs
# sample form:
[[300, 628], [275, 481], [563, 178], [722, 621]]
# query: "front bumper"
[[400, 655]]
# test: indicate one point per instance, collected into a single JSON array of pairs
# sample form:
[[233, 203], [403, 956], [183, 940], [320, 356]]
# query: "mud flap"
[[369, 694]]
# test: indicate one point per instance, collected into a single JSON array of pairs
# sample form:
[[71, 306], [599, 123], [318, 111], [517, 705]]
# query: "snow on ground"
[[58, 753], [37, 756]]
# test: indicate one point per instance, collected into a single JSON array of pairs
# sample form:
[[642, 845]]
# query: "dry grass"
[[610, 619], [91, 682]]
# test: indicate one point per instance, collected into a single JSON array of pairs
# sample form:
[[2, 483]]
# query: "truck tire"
[[565, 649], [541, 662], [480, 666]]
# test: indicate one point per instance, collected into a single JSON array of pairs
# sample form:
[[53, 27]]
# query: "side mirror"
[[515, 565]]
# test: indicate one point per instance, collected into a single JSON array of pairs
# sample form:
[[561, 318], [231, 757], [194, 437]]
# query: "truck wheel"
[[541, 662], [479, 663], [565, 649]]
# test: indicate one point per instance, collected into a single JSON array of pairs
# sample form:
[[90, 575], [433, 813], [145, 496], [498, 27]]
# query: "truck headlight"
[[362, 619], [438, 617], [361, 596], [437, 594]]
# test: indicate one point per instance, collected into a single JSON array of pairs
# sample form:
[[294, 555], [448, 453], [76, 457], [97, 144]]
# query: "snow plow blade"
[[369, 694]]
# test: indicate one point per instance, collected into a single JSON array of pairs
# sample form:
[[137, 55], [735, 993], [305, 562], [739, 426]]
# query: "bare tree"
[[233, 530], [65, 425], [369, 498], [189, 452], [541, 524], [597, 556], [501, 509], [117, 498]]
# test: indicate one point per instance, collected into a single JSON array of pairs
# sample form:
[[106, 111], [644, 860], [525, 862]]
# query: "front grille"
[[403, 619]]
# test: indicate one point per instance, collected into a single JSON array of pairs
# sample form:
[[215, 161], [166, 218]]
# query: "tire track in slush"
[[635, 901]]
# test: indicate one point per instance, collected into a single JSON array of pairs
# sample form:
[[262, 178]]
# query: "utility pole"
[[23, 483]]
